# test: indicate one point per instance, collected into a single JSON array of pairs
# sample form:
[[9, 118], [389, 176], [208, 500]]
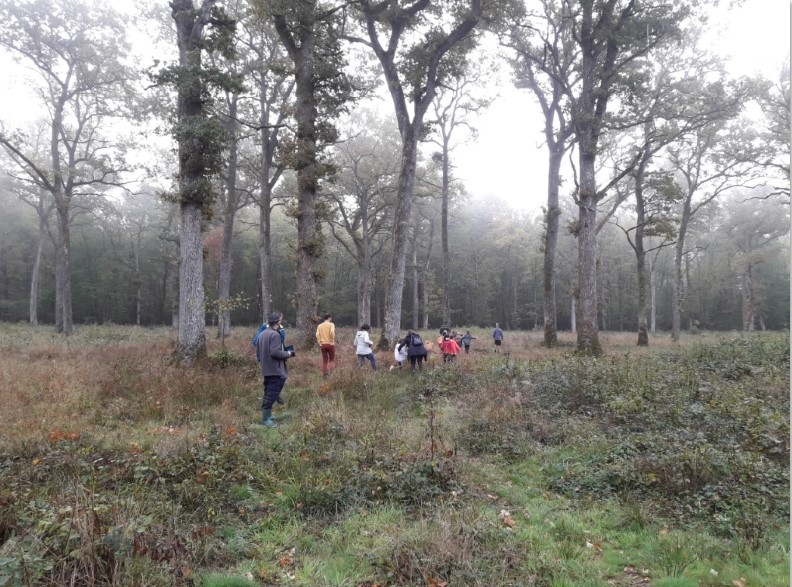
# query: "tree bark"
[[365, 286], [35, 277], [138, 276], [416, 297], [587, 332], [400, 233], [193, 185], [640, 254], [550, 245], [444, 235], [425, 278], [309, 244], [63, 270], [653, 297], [748, 300], [231, 205], [192, 324], [679, 253]]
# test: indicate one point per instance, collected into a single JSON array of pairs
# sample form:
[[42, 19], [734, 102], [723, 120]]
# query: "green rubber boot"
[[266, 418]]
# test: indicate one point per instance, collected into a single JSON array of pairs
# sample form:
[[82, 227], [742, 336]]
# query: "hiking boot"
[[270, 423]]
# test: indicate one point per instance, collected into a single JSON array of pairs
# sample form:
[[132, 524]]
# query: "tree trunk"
[[194, 186], [425, 279], [587, 332], [748, 300], [444, 236], [573, 314], [551, 241], [309, 241], [224, 277], [416, 296], [640, 254], [138, 277], [679, 252], [63, 271], [653, 297], [264, 241], [365, 285], [401, 225], [35, 277], [192, 323]]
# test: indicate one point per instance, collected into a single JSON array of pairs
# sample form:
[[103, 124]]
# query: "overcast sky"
[[508, 161]]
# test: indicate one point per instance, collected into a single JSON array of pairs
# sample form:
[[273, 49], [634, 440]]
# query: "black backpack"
[[416, 339]]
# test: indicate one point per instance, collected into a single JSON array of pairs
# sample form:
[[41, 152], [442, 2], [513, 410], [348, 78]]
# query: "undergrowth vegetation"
[[666, 466]]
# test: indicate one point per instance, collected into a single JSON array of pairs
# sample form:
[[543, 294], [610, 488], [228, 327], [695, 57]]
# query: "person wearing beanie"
[[272, 357]]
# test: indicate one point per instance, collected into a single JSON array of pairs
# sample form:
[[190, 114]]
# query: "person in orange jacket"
[[449, 348]]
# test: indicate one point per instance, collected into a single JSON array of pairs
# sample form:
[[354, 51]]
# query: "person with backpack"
[[272, 358], [416, 351], [363, 346]]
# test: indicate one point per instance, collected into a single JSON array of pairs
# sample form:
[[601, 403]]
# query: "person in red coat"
[[449, 348]]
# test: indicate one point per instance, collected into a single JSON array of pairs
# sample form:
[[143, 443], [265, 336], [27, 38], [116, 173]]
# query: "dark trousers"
[[417, 359], [467, 348], [328, 357], [273, 384], [362, 360]]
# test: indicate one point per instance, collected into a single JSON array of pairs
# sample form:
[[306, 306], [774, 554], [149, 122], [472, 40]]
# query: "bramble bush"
[[702, 432]]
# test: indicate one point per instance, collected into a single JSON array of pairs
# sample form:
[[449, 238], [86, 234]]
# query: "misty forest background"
[[95, 162]]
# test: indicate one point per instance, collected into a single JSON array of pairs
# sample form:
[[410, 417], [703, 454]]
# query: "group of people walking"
[[272, 353]]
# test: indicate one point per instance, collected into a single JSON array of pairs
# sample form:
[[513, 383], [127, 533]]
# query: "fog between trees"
[[686, 178]]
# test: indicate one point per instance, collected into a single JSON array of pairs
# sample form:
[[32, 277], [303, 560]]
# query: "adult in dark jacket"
[[416, 353], [272, 358]]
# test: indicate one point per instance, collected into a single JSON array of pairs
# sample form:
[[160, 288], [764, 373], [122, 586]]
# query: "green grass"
[[667, 465]]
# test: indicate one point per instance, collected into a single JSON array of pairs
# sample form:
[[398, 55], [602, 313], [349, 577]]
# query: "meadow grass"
[[665, 465]]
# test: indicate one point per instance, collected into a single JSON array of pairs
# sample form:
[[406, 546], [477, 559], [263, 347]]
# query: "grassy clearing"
[[664, 466]]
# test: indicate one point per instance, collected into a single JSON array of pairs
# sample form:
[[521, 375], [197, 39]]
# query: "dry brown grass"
[[50, 387], [111, 378]]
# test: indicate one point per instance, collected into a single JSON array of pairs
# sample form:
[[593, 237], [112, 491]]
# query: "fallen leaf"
[[507, 519], [739, 582]]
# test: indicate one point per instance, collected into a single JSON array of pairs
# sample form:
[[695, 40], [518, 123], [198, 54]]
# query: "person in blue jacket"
[[497, 336]]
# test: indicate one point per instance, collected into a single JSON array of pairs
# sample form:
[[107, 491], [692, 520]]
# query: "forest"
[[202, 165], [175, 172]]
